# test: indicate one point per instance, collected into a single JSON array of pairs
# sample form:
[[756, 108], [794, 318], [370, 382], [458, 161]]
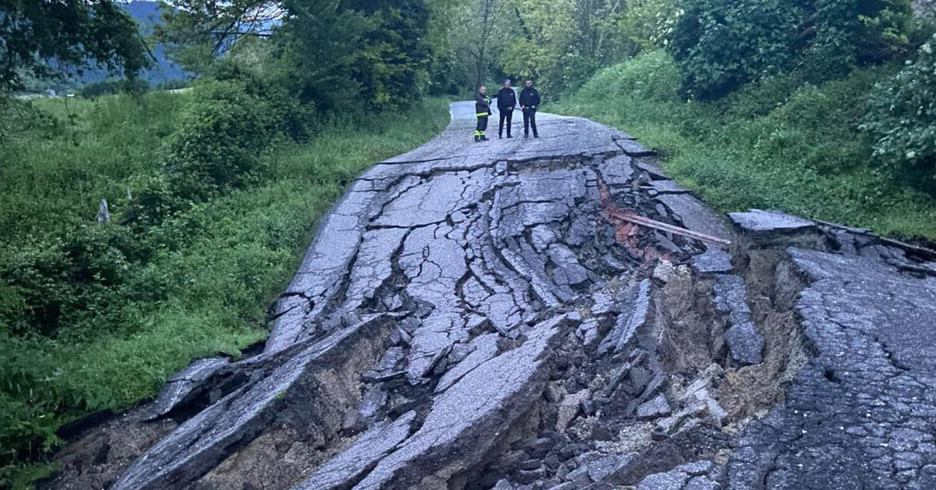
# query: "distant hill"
[[147, 15]]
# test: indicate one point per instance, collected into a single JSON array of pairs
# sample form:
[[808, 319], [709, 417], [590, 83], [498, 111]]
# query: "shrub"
[[652, 76], [69, 280], [850, 33], [902, 120], [110, 87], [650, 23], [219, 140], [720, 45]]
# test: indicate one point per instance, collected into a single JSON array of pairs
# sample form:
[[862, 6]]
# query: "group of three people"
[[506, 103]]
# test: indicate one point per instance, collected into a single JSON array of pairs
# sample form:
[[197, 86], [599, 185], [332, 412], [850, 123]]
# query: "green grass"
[[206, 279], [782, 144]]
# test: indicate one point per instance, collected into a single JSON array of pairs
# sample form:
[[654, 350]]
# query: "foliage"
[[197, 32], [562, 43], [721, 45], [220, 139], [857, 33], [338, 54], [393, 66], [649, 23], [315, 50], [114, 86], [34, 34], [902, 121], [95, 317], [779, 144]]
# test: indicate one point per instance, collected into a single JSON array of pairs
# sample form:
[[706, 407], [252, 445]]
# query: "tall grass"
[[780, 144], [203, 290]]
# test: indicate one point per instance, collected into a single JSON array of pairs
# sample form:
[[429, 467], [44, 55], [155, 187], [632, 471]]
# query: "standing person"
[[529, 101], [506, 101], [483, 109]]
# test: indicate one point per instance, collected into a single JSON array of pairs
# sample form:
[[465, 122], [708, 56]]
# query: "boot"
[[501, 136], [483, 138], [477, 139], [509, 136]]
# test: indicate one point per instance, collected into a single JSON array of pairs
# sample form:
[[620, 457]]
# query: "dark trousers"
[[506, 115], [482, 126], [529, 119]]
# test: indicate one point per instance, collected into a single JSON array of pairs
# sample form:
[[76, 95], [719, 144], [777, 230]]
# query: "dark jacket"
[[482, 104], [506, 99], [529, 97]]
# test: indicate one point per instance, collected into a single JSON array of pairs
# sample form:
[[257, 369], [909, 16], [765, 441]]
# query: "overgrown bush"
[[720, 45], [650, 23], [69, 279], [110, 87], [651, 76], [902, 120], [220, 139]]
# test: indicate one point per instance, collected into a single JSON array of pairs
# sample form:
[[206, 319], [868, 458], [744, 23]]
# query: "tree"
[[198, 32], [902, 120], [477, 32], [563, 42], [722, 44], [40, 38], [315, 50], [393, 65]]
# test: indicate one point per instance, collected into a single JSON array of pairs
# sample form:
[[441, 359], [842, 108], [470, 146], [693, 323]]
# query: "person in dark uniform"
[[529, 101], [506, 101], [483, 108]]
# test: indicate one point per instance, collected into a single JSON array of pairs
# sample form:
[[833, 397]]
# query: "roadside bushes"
[[219, 139], [220, 143], [720, 45], [902, 120], [110, 87]]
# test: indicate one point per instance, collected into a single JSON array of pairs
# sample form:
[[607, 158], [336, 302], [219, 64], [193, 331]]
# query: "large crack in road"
[[469, 317]]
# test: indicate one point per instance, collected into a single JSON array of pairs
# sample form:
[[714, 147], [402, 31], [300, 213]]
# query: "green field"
[[122, 306], [779, 144]]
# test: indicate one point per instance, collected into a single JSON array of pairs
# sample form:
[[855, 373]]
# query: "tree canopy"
[[37, 35]]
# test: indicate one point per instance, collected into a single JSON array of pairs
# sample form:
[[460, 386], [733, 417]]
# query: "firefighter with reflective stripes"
[[483, 109]]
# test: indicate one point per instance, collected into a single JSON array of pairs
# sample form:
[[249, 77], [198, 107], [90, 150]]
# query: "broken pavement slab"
[[758, 221], [466, 419], [744, 339]]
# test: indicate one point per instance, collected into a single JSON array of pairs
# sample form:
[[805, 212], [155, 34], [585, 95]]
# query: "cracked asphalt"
[[471, 316]]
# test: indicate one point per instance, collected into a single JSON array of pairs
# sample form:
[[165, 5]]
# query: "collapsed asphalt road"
[[469, 316]]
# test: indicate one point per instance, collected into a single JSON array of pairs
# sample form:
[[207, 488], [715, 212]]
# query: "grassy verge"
[[782, 144], [203, 289]]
